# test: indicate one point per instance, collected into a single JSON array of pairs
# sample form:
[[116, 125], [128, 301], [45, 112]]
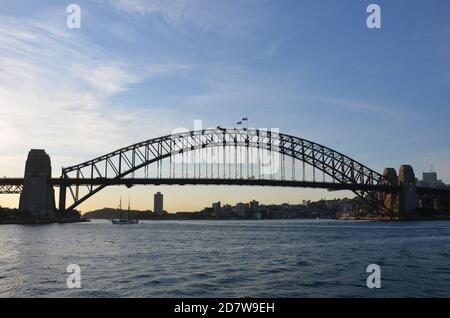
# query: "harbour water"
[[267, 258]]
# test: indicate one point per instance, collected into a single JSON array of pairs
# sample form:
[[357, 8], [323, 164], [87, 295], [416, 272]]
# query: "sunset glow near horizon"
[[139, 69]]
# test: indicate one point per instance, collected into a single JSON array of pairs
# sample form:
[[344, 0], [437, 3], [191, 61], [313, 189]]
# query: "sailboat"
[[121, 221]]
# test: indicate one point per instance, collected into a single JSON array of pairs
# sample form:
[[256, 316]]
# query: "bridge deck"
[[231, 182], [203, 181]]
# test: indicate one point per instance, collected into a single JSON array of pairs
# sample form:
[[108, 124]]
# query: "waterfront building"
[[240, 209], [216, 207], [430, 179], [254, 206]]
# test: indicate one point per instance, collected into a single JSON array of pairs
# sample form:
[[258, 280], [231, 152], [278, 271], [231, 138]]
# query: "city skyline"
[[139, 69], [429, 178]]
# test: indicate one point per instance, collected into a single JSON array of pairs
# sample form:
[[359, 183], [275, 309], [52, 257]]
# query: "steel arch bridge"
[[88, 178]]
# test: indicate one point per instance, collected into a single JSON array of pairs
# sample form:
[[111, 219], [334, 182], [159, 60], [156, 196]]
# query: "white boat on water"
[[123, 221], [126, 221]]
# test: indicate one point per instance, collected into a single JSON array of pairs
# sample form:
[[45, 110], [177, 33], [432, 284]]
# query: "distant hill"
[[109, 213]]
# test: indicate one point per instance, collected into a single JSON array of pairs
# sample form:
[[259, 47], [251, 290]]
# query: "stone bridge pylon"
[[38, 196], [406, 198]]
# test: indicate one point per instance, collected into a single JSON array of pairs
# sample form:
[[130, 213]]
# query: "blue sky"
[[138, 69]]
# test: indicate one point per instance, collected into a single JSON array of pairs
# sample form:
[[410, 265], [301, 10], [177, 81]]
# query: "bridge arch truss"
[[125, 162]]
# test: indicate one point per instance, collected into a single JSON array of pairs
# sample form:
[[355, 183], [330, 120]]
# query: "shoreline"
[[86, 220], [43, 221], [304, 219], [398, 219]]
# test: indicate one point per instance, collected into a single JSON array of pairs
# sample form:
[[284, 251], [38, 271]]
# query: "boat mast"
[[128, 214], [120, 208]]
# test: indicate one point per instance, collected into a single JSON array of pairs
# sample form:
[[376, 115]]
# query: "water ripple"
[[295, 258]]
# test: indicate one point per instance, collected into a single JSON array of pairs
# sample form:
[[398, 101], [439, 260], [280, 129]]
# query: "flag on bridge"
[[239, 123]]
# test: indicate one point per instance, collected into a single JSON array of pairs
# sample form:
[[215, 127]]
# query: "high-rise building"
[[254, 206], [240, 209], [216, 207], [429, 178], [158, 207]]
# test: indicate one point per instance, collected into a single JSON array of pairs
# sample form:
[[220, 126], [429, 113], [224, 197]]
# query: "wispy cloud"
[[55, 89], [224, 17], [359, 106], [169, 9]]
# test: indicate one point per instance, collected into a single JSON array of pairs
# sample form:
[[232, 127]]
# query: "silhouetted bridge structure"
[[244, 157]]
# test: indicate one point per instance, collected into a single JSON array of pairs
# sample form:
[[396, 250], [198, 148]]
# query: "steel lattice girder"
[[11, 189], [126, 161]]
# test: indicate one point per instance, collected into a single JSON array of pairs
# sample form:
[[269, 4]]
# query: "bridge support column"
[[38, 196], [62, 198], [390, 200], [409, 200]]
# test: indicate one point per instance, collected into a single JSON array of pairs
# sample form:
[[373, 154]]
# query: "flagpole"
[[244, 119]]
